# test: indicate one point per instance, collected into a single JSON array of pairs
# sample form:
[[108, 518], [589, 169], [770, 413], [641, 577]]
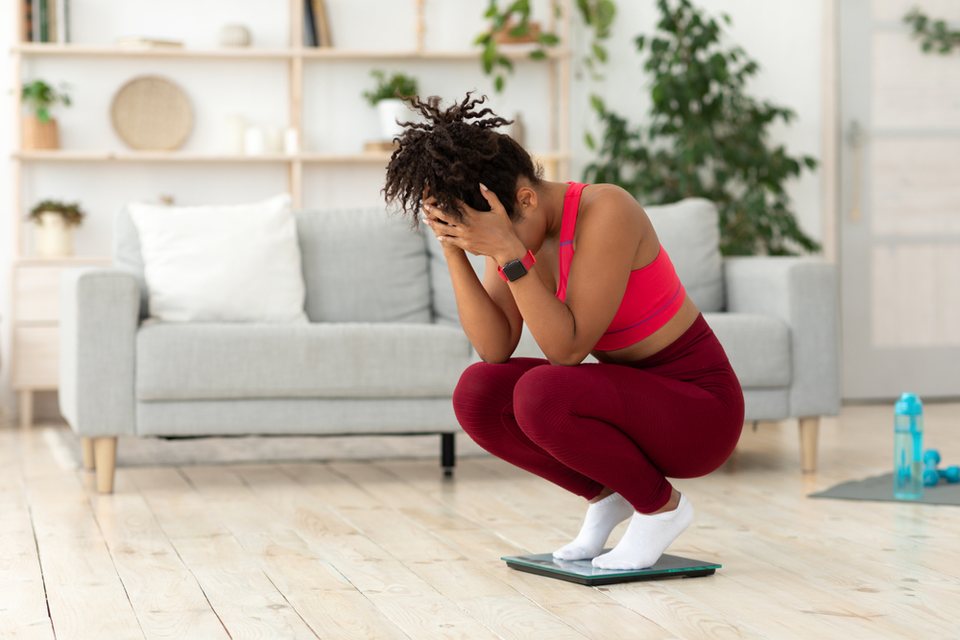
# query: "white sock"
[[602, 516], [647, 537]]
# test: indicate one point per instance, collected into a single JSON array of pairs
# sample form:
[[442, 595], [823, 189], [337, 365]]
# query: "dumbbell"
[[932, 475]]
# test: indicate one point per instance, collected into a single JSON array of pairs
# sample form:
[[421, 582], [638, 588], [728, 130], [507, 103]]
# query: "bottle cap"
[[909, 404]]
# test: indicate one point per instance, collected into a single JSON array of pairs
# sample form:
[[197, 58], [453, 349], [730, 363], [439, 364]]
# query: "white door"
[[900, 203]]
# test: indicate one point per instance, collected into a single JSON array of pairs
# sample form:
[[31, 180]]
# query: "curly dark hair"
[[452, 152]]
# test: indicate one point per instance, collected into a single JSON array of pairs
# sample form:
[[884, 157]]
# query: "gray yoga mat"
[[880, 488]]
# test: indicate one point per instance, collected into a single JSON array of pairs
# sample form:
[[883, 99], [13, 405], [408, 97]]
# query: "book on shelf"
[[309, 25], [46, 21], [139, 42], [316, 26], [27, 35], [322, 22]]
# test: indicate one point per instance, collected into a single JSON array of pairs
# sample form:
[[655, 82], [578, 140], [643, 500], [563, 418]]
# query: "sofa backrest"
[[690, 232], [362, 265], [359, 265]]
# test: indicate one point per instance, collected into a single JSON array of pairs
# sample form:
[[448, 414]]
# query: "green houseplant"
[[513, 23], [388, 96], [39, 128], [55, 221], [933, 34], [706, 137]]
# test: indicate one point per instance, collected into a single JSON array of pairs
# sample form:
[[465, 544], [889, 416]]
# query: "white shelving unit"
[[35, 312]]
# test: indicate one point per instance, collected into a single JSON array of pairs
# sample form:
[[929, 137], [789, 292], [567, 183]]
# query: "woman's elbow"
[[570, 359]]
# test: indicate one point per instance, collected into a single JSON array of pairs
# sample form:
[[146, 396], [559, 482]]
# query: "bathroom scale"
[[583, 572]]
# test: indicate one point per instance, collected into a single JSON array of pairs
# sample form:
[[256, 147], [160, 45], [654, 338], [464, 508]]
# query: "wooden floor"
[[388, 549]]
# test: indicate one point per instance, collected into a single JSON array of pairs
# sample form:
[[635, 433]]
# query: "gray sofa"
[[383, 349]]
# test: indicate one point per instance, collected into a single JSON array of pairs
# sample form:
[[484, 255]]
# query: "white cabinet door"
[[900, 204]]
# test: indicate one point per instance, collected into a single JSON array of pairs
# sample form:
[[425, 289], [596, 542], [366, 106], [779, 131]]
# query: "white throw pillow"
[[236, 263]]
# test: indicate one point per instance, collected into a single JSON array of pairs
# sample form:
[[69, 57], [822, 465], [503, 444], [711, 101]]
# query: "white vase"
[[54, 237], [391, 111], [234, 134], [254, 142]]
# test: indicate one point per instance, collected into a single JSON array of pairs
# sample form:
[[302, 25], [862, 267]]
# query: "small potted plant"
[[389, 98], [55, 222], [39, 129]]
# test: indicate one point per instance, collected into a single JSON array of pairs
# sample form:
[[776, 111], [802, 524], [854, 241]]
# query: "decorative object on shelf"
[[235, 35], [254, 141], [140, 43], [389, 99], [518, 130], [712, 143], [55, 222], [291, 141], [933, 34], [39, 129], [316, 24], [152, 113], [513, 26], [273, 138], [234, 133]]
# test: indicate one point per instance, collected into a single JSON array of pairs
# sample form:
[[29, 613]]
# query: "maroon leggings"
[[677, 413]]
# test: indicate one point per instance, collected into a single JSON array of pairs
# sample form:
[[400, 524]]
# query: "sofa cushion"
[[222, 263], [689, 231], [316, 360], [758, 347], [362, 265]]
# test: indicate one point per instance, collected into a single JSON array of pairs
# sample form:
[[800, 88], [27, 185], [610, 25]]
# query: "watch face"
[[514, 269]]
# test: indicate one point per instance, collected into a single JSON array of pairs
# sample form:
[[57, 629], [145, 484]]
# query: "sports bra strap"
[[568, 226]]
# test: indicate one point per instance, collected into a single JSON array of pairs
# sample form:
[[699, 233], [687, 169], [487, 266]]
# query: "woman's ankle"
[[671, 505]]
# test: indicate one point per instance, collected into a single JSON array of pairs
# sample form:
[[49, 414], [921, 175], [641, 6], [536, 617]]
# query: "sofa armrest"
[[802, 292], [99, 315]]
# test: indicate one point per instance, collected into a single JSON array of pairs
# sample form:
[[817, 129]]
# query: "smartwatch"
[[516, 269]]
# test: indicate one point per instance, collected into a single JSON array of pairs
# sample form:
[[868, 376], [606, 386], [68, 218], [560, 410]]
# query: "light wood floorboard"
[[389, 549]]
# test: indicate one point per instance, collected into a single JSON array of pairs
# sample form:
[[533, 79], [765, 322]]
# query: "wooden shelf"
[[60, 155], [519, 52], [68, 261]]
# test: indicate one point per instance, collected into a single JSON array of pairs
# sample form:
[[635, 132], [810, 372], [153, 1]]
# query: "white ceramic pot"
[[54, 236], [391, 111]]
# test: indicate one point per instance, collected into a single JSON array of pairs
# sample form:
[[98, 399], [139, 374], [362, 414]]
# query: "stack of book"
[[46, 21]]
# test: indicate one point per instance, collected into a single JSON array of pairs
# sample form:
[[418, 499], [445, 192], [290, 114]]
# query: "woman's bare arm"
[[607, 243], [490, 319]]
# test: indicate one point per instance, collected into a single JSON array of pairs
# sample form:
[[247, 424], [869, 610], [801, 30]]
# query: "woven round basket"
[[152, 113]]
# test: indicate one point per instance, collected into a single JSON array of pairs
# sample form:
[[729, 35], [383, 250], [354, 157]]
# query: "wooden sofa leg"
[[809, 433], [448, 454], [105, 457], [26, 409], [87, 445]]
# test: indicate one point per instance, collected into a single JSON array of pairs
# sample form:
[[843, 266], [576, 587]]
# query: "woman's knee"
[[543, 401]]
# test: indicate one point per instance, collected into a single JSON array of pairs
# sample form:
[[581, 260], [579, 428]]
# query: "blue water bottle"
[[908, 448]]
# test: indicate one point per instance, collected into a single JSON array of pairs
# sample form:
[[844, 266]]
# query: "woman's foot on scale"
[[602, 516], [647, 537]]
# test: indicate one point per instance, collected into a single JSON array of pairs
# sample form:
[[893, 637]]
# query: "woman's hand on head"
[[431, 219], [484, 233]]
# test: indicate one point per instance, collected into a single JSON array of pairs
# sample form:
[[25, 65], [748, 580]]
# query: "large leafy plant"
[[705, 138]]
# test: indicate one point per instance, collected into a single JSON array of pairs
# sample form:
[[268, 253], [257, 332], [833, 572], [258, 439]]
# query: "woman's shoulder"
[[608, 203]]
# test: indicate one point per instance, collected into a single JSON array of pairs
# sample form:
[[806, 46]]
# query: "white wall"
[[783, 35]]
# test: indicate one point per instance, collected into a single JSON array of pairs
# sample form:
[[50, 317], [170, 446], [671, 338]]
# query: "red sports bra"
[[654, 293]]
